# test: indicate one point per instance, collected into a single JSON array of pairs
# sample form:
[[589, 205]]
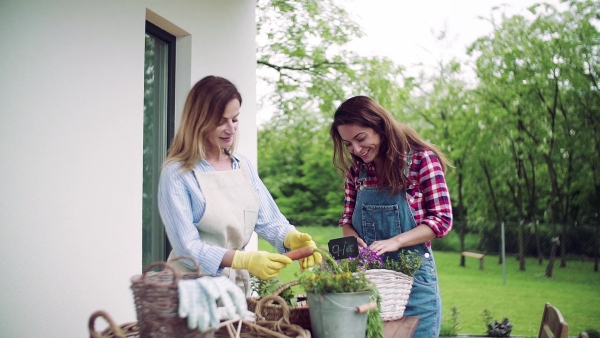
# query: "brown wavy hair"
[[202, 113], [396, 141]]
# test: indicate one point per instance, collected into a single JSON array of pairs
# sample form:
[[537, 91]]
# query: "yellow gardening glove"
[[262, 264], [298, 240]]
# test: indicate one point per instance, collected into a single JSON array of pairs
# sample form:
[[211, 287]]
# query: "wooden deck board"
[[402, 328]]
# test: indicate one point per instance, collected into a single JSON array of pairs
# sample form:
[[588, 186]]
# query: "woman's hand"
[[295, 240], [348, 230], [418, 235], [262, 264], [387, 245]]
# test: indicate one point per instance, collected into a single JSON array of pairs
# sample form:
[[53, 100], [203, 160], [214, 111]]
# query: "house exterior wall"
[[71, 118]]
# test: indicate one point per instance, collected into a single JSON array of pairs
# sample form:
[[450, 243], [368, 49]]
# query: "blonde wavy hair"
[[396, 141], [204, 107]]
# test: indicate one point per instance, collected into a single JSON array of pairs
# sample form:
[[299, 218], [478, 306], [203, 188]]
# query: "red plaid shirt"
[[427, 193]]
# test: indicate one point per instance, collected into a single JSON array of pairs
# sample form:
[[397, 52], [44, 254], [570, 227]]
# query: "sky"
[[404, 30]]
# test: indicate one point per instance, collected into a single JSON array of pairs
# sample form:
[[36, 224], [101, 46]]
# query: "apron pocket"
[[250, 217]]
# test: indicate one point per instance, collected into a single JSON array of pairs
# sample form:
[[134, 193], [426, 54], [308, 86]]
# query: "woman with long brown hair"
[[396, 197]]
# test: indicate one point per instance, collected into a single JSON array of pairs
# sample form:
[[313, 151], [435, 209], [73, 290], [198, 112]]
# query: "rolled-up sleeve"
[[436, 198]]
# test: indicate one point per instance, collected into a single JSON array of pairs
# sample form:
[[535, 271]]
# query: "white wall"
[[71, 147]]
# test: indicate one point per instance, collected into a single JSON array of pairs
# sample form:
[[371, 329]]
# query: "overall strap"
[[363, 173]]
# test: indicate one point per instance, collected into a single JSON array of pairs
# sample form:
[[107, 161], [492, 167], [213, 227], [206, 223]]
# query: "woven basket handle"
[[285, 286], [165, 266], [114, 328], [234, 332], [191, 259], [273, 298]]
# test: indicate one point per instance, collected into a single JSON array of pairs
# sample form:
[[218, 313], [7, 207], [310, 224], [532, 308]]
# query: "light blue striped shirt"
[[181, 205]]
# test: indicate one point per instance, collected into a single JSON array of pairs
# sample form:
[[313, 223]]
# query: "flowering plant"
[[334, 276], [408, 262]]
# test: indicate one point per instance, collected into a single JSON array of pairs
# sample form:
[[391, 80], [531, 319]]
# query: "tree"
[[523, 70], [442, 108], [523, 140], [303, 60]]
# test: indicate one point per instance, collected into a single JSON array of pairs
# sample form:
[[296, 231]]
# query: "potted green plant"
[[261, 288], [407, 262], [335, 289]]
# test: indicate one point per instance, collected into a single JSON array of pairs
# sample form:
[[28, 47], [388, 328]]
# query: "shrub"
[[501, 329], [593, 333], [450, 329], [495, 328]]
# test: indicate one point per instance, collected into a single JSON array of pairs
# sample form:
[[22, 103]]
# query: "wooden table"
[[401, 328]]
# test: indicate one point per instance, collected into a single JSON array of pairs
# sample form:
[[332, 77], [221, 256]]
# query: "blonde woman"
[[212, 199]]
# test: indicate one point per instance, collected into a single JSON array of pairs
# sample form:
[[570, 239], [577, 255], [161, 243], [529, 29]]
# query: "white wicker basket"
[[394, 288]]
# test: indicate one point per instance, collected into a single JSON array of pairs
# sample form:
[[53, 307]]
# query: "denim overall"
[[378, 215]]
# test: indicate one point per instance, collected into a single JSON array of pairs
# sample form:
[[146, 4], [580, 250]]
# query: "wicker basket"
[[394, 288], [283, 324], [228, 329], [299, 314], [112, 331], [156, 301]]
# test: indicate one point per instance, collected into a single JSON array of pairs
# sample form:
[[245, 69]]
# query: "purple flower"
[[369, 259]]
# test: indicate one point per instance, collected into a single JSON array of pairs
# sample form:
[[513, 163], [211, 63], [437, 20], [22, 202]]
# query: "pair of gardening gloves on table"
[[266, 265], [199, 299]]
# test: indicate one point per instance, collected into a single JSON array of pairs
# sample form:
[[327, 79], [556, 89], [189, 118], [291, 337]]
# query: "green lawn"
[[575, 290]]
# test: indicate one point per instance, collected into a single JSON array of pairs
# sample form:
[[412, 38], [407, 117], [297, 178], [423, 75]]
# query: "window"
[[159, 83]]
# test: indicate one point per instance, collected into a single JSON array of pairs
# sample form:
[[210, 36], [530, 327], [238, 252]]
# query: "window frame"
[[169, 119]]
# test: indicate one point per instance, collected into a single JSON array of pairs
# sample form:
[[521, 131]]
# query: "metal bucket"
[[333, 315]]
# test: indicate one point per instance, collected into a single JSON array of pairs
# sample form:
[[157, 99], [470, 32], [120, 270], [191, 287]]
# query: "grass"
[[575, 289]]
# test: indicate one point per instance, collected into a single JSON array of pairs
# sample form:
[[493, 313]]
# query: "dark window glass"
[[159, 79]]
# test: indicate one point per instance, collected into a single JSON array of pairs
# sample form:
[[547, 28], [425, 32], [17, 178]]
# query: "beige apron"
[[230, 215]]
